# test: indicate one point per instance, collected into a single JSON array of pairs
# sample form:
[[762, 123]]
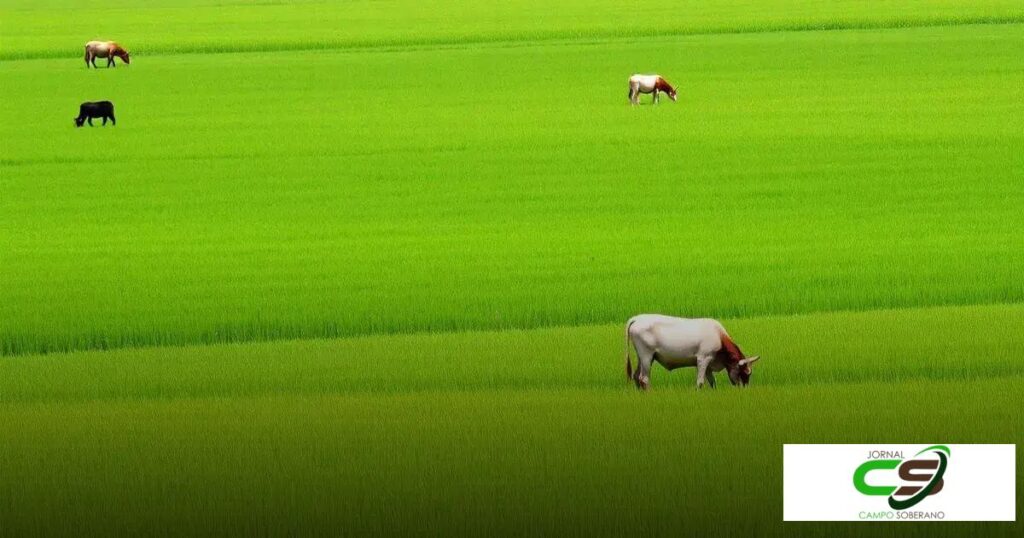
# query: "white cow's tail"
[[629, 366]]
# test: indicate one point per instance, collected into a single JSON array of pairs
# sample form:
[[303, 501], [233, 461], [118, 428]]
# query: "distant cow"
[[654, 84], [678, 342], [104, 49], [99, 109]]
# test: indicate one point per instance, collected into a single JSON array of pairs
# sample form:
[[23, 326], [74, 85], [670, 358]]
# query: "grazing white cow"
[[654, 84], [678, 342]]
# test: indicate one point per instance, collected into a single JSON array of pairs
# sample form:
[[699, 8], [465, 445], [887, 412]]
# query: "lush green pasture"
[[461, 190], [254, 196], [963, 344], [485, 433], [58, 28]]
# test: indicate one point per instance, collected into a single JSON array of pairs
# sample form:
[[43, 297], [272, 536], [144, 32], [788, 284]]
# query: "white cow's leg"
[[702, 369], [644, 358], [711, 378], [655, 96]]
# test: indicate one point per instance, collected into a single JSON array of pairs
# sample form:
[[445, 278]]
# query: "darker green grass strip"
[[547, 463], [513, 39]]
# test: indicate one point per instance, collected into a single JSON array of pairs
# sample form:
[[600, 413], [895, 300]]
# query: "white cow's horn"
[[753, 359]]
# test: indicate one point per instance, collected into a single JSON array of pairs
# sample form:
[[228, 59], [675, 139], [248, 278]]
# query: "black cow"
[[99, 109]]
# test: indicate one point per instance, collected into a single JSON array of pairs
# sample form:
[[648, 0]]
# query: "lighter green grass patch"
[[248, 197], [962, 344]]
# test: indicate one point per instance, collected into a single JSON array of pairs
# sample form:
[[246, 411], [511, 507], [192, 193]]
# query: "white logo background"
[[980, 483]]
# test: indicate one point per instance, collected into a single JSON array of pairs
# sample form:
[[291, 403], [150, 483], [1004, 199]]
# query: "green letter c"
[[873, 465]]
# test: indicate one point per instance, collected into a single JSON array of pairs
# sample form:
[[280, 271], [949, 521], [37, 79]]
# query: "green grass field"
[[402, 434], [362, 268]]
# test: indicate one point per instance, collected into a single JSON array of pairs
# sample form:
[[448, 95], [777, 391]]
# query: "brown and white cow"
[[654, 84], [105, 49], [678, 342]]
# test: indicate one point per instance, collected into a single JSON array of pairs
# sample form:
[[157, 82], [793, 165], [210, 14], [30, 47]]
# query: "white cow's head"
[[740, 374]]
